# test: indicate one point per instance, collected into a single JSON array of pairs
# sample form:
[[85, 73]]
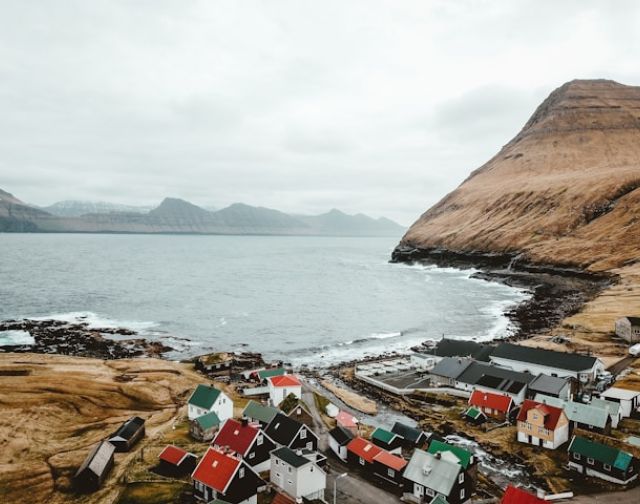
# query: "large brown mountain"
[[564, 191]]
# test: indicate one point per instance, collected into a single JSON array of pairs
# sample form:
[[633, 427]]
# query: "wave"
[[373, 336], [16, 338], [95, 321]]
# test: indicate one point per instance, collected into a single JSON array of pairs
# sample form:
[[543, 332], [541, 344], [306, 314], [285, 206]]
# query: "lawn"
[[153, 493]]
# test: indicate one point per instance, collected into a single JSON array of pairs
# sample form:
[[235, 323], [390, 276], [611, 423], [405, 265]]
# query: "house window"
[[241, 473], [430, 492], [289, 469], [607, 467], [303, 434], [590, 461], [260, 440], [460, 477], [462, 493], [309, 445], [290, 482], [252, 455], [391, 472], [576, 456], [361, 461]]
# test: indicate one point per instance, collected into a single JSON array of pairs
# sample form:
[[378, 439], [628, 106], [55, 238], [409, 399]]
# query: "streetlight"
[[335, 485]]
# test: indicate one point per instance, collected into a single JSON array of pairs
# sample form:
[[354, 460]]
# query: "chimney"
[[438, 455], [245, 421], [299, 452]]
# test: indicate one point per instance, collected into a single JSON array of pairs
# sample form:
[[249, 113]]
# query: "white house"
[[207, 398], [298, 474], [629, 400], [281, 386], [339, 438], [628, 328]]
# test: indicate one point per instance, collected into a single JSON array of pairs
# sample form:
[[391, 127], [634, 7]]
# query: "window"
[[252, 455], [462, 493], [260, 440], [277, 462], [607, 467], [590, 461], [290, 482], [576, 456], [303, 434], [278, 475], [289, 469], [391, 473], [309, 445], [430, 492], [241, 473], [460, 477], [361, 461]]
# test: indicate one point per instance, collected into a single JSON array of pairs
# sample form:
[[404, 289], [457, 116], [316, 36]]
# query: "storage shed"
[[94, 470], [128, 434]]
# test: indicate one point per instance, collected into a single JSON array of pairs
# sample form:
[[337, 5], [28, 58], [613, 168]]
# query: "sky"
[[380, 107]]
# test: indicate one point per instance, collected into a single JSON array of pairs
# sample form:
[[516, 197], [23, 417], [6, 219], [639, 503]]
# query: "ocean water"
[[307, 300]]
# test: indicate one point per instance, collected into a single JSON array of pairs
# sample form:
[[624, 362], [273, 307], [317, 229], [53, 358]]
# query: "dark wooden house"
[[286, 431], [591, 458], [360, 454], [412, 436], [246, 440], [389, 467], [128, 434], [96, 467], [174, 461], [387, 440]]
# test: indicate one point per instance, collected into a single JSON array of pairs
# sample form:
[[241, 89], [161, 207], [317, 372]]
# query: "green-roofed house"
[[264, 374], [474, 416], [465, 457], [207, 398], [205, 426], [260, 413], [387, 440], [602, 461]]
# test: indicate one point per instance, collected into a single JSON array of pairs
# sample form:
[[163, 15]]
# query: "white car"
[[634, 350]]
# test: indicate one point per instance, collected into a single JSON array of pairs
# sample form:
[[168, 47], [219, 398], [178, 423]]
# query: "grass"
[[153, 493], [321, 402]]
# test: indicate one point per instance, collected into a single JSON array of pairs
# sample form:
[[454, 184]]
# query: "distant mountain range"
[[175, 215]]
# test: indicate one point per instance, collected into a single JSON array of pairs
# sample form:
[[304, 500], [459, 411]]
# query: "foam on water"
[[95, 321], [16, 338]]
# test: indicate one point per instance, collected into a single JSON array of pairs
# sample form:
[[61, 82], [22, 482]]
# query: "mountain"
[[564, 191], [75, 208], [339, 223], [17, 216]]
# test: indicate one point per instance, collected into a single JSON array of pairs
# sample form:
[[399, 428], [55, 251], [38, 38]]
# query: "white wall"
[[306, 481], [223, 407], [536, 369], [278, 394], [340, 451]]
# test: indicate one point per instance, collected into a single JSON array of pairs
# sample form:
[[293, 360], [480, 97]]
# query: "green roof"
[[204, 396], [268, 373], [207, 421], [439, 499], [383, 435], [601, 452], [474, 413], [259, 412], [463, 455]]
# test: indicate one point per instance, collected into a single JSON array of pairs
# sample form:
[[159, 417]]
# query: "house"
[[360, 452], [628, 328], [428, 476], [583, 368], [129, 433], [515, 495], [247, 441], [94, 470], [542, 425], [464, 457], [629, 400], [223, 476], [286, 431], [207, 398], [492, 378], [296, 409], [580, 415], [347, 421], [474, 416], [281, 386], [339, 438], [299, 476], [264, 374], [606, 462], [458, 348], [176, 462], [386, 440], [493, 405], [259, 413], [205, 426], [412, 437], [389, 467], [551, 386], [613, 408], [214, 363], [446, 372], [422, 362]]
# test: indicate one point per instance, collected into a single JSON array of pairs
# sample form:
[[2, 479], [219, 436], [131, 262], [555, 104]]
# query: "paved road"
[[629, 497]]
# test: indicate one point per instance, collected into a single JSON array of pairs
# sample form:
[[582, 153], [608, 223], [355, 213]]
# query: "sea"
[[305, 300]]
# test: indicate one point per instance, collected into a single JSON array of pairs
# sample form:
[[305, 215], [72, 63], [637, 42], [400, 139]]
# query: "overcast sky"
[[368, 106]]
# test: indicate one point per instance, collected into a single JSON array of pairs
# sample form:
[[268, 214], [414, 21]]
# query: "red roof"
[[392, 461], [281, 498], [513, 495], [497, 402], [236, 436], [285, 381], [363, 449], [551, 413], [346, 419], [172, 454], [216, 469]]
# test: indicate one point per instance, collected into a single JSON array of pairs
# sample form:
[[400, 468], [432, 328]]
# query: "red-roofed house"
[[361, 452], [494, 405], [281, 386], [223, 476], [513, 495], [389, 467], [247, 441], [174, 461], [542, 425], [347, 421]]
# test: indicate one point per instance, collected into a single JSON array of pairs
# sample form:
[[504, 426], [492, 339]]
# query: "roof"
[[268, 373], [474, 413], [438, 474], [282, 498], [450, 367], [384, 435], [588, 414], [620, 393], [346, 419], [551, 413], [128, 429], [439, 499], [448, 347], [285, 381], [260, 412], [633, 320], [497, 402], [216, 469], [613, 407], [546, 384], [208, 420], [283, 429], [393, 461], [601, 452], [495, 377], [341, 435], [514, 495], [290, 457], [204, 396], [173, 455], [363, 448], [407, 432], [463, 457], [236, 436], [98, 459], [543, 357]]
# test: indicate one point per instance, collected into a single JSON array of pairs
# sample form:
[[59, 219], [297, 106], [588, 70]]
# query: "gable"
[[204, 396]]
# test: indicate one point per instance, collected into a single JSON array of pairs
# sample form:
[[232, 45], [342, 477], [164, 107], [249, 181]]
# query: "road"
[[629, 497], [621, 365]]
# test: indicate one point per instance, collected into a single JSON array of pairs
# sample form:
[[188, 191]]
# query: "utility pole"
[[335, 486]]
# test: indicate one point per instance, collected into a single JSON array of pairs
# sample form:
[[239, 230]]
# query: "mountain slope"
[[565, 190], [76, 208], [17, 216], [339, 223]]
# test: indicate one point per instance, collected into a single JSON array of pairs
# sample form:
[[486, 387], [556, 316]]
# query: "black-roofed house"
[[339, 438], [449, 347], [412, 436], [286, 431], [94, 470], [583, 368], [446, 372], [129, 433], [490, 378], [552, 386], [298, 473], [628, 328]]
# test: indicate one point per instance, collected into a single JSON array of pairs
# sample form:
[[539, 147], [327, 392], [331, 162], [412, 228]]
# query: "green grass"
[[321, 402], [153, 493]]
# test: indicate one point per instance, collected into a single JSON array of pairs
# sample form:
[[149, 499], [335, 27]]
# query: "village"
[[272, 435]]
